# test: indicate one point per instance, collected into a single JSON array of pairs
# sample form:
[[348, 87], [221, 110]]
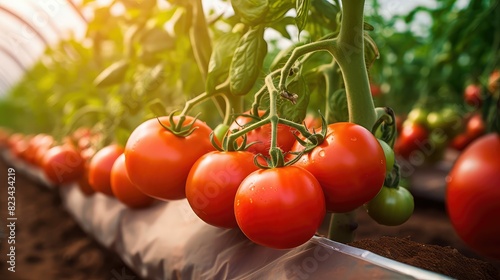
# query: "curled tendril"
[[386, 125], [392, 179]]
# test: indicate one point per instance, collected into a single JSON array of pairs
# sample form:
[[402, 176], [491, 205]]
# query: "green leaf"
[[247, 61], [156, 40], [112, 75], [251, 12], [278, 9], [220, 60], [154, 78], [302, 7], [338, 107], [280, 26], [157, 107], [295, 112]]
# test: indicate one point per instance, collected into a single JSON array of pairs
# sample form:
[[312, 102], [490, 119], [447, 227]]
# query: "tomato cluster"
[[425, 135], [75, 160], [173, 157], [278, 207]]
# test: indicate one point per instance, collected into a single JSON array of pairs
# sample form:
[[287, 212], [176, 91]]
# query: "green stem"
[[273, 114], [247, 129], [259, 94], [220, 89], [349, 53], [324, 45], [342, 227]]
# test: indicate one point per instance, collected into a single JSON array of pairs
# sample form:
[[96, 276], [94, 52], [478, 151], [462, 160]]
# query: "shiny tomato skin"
[[391, 206], [124, 190], [212, 184], [83, 182], [389, 156], [62, 165], [412, 138], [279, 208], [350, 165], [158, 162], [460, 142], [100, 168], [475, 126], [262, 135], [473, 195], [472, 95], [494, 81]]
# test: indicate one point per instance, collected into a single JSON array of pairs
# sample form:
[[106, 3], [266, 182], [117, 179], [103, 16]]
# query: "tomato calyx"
[[228, 146], [178, 129], [311, 140]]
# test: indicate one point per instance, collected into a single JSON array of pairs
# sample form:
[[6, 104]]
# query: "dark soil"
[[444, 260], [50, 245]]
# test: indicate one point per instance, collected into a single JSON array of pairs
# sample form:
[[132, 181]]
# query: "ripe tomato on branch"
[[100, 168], [350, 165], [158, 161], [63, 164], [475, 126], [212, 184], [473, 193], [279, 207], [124, 190], [472, 95], [412, 137]]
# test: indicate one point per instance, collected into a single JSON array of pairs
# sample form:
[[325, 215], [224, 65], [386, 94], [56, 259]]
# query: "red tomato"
[[100, 168], [312, 122], [19, 145], [158, 162], [399, 122], [413, 137], [4, 138], [494, 81], [473, 195], [375, 90], [460, 141], [475, 126], [349, 165], [124, 190], [63, 165], [472, 95], [262, 136], [280, 207], [212, 184], [39, 142], [83, 182]]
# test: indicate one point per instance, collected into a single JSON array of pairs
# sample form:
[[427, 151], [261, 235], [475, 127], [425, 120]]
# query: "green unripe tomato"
[[435, 120], [220, 131], [389, 155], [417, 115], [391, 206]]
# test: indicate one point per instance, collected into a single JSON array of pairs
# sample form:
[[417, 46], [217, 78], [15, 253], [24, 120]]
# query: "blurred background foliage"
[[143, 60]]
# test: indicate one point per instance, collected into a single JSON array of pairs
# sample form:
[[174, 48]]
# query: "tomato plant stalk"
[[349, 54]]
